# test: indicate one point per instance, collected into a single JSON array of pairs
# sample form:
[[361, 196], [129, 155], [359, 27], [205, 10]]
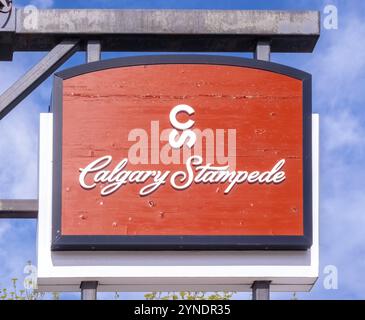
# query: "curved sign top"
[[182, 152]]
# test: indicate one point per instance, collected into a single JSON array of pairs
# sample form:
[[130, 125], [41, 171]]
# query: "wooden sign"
[[182, 152]]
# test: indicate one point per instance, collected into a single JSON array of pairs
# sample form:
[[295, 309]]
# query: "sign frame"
[[150, 271], [157, 243]]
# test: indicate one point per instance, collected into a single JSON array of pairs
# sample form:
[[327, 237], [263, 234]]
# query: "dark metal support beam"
[[36, 75], [161, 30], [18, 209], [261, 290], [89, 290]]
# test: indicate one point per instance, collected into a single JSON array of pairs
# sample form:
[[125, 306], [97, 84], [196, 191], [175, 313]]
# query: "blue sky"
[[338, 69]]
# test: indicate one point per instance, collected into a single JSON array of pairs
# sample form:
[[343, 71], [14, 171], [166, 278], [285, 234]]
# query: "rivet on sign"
[[101, 203], [115, 224], [151, 203], [82, 217], [272, 114], [294, 209], [162, 214], [130, 219], [68, 189], [251, 204]]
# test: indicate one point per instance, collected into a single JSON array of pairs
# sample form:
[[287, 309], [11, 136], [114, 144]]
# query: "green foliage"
[[15, 294], [189, 295]]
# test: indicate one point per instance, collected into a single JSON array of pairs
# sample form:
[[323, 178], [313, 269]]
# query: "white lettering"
[[177, 124], [187, 136], [194, 172]]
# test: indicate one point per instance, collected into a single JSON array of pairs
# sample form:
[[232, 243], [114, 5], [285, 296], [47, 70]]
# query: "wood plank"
[[102, 108]]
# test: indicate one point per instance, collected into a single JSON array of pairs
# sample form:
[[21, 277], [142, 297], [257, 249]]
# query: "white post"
[[263, 50], [93, 51]]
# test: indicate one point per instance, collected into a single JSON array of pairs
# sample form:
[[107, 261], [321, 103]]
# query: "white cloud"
[[4, 228], [18, 169], [18, 158], [16, 248], [338, 68], [19, 137], [340, 57], [342, 129]]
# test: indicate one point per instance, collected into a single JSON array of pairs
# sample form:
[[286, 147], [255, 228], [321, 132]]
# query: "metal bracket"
[[263, 51], [93, 51], [6, 6], [35, 76], [163, 30], [89, 290], [261, 290], [7, 29], [18, 209], [6, 10]]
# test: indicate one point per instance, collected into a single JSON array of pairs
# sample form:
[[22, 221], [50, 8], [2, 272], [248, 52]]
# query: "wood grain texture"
[[101, 108]]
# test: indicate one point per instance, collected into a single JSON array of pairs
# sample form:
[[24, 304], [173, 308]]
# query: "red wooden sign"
[[182, 152]]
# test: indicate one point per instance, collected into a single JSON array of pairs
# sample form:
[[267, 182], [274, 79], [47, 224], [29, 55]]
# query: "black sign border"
[[112, 243]]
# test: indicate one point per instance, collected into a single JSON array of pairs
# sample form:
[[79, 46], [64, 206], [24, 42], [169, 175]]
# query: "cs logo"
[[187, 136]]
